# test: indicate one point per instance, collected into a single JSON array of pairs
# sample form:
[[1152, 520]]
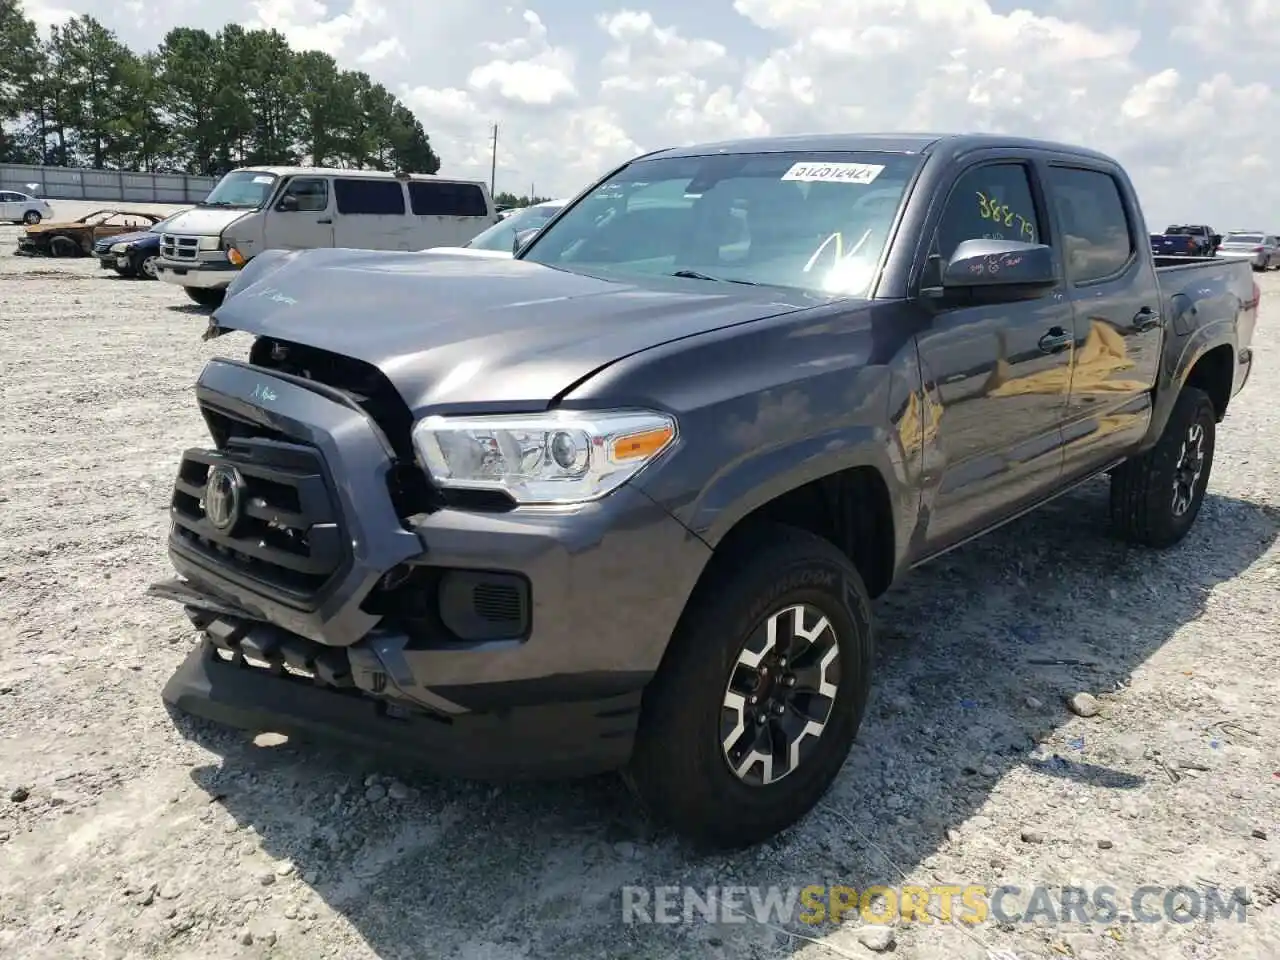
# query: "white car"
[[21, 208], [499, 240]]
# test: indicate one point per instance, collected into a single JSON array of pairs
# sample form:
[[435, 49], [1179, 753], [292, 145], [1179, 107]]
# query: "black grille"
[[287, 537]]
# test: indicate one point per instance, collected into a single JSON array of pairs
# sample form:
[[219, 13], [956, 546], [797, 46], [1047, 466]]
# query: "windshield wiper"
[[695, 275]]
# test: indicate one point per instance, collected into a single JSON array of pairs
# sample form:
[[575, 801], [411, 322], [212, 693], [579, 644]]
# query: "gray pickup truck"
[[621, 502]]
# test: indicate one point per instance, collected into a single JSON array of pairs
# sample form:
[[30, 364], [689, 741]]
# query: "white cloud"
[[1181, 94]]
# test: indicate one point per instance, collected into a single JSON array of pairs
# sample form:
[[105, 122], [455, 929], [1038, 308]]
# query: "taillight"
[[1259, 249], [1191, 244]]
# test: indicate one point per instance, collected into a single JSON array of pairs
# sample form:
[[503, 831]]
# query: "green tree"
[[200, 102], [20, 58], [95, 74]]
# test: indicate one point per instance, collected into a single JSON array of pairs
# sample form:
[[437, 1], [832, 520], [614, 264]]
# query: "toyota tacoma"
[[621, 502]]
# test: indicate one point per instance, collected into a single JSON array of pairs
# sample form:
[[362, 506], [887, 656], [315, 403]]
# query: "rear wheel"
[[1156, 497], [761, 694], [31, 217], [206, 298]]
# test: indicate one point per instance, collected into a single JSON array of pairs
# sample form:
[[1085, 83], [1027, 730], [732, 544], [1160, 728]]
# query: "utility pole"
[[493, 163]]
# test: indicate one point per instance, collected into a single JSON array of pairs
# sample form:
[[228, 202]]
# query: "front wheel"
[[31, 218], [144, 267], [205, 297], [761, 694], [1156, 497]]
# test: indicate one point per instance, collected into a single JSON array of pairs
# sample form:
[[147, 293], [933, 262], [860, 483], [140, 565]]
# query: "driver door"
[[302, 217], [999, 374]]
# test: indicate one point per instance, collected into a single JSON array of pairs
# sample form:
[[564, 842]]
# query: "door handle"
[[1146, 319], [325, 220], [1056, 340]]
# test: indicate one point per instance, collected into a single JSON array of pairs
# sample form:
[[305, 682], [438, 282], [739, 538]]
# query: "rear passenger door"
[[1116, 307], [9, 203], [999, 373], [370, 214]]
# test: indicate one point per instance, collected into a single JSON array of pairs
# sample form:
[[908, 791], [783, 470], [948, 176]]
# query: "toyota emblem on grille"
[[222, 497]]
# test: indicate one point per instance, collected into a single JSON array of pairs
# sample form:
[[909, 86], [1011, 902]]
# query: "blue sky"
[[1182, 94]]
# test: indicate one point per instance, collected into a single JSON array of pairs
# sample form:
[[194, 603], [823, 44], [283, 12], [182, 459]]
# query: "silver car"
[[1261, 249]]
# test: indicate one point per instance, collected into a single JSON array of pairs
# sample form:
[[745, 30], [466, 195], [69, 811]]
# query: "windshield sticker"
[[834, 172], [262, 179]]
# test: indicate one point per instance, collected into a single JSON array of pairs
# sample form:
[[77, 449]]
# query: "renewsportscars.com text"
[[969, 904]]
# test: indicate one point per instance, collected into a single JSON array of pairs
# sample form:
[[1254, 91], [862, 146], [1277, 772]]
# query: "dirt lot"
[[121, 838]]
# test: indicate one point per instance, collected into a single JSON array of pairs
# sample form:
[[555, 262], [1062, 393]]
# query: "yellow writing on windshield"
[[1003, 215]]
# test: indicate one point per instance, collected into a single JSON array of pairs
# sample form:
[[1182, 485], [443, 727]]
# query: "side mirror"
[[978, 264], [521, 238], [288, 203]]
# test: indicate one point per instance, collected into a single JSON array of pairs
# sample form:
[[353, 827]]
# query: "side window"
[[310, 193], [428, 198], [992, 202], [9, 198], [373, 197], [1096, 238]]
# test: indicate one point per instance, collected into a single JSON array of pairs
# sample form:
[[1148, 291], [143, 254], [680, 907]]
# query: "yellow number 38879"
[[1002, 214]]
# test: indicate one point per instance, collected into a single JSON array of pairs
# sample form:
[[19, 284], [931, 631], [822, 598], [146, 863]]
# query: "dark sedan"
[[132, 254]]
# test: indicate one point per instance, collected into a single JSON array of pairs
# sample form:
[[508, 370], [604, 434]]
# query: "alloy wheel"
[[780, 695], [1186, 474]]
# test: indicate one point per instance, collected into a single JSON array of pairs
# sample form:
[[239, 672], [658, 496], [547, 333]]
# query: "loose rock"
[[375, 793], [398, 791], [1032, 836], [876, 938], [284, 868], [1033, 703], [1105, 844], [19, 794], [1259, 833], [1084, 705]]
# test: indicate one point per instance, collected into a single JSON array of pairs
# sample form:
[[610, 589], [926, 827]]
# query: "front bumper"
[[606, 584], [204, 275]]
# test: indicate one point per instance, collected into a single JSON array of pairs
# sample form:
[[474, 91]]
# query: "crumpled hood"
[[204, 221], [456, 332]]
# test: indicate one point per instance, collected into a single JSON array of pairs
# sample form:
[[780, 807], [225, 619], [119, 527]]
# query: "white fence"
[[81, 183]]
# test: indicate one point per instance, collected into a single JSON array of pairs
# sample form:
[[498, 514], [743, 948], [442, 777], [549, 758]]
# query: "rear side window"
[[992, 202], [431, 199], [1096, 238], [370, 197], [10, 198]]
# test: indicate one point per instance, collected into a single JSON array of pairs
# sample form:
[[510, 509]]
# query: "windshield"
[[1243, 238], [813, 222], [502, 234], [245, 189]]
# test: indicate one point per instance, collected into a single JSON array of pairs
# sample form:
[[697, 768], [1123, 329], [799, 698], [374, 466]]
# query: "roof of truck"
[[347, 172], [908, 143]]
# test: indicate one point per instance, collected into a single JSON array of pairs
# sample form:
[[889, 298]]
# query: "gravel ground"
[[119, 837]]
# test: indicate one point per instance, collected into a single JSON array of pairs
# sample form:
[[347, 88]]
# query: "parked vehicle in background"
[[76, 238], [696, 452], [23, 208], [504, 237], [302, 208], [133, 254], [1196, 240], [1262, 250]]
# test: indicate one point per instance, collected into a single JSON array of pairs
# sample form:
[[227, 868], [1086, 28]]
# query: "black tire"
[[31, 218], [1146, 508], [205, 297], [61, 246], [680, 769], [144, 266]]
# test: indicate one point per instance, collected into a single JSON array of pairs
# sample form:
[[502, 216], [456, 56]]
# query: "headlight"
[[210, 243], [567, 456], [119, 247]]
